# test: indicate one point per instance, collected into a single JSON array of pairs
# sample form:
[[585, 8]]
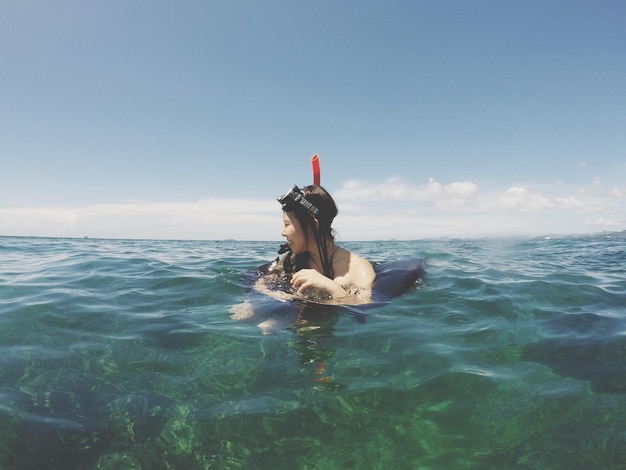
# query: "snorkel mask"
[[294, 200]]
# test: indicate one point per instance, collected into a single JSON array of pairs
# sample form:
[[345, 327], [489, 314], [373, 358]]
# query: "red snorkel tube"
[[315, 161]]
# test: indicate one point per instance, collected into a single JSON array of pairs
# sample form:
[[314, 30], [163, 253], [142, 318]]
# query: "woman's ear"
[[317, 224]]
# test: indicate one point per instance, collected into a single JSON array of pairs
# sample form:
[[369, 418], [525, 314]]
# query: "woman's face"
[[292, 231]]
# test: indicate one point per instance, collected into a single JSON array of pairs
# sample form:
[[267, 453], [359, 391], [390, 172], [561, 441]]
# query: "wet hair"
[[321, 199]]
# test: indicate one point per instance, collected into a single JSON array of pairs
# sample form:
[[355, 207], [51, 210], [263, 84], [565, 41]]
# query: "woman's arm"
[[354, 287], [312, 279]]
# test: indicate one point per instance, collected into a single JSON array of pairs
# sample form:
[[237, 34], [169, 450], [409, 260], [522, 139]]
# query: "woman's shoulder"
[[357, 261], [360, 271]]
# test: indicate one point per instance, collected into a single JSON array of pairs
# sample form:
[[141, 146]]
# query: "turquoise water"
[[122, 354]]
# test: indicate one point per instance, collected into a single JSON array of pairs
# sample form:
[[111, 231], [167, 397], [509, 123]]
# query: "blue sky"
[[160, 119]]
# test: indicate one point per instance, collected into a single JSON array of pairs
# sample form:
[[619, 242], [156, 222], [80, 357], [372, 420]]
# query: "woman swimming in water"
[[314, 267], [319, 268]]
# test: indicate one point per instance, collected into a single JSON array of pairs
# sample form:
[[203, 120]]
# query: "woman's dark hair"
[[321, 199]]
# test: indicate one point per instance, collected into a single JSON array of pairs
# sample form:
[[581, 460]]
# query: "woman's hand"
[[310, 278]]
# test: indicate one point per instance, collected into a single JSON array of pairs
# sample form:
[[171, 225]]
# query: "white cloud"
[[394, 190], [395, 209], [596, 188], [593, 188], [520, 198], [206, 219], [368, 211], [569, 202], [618, 192]]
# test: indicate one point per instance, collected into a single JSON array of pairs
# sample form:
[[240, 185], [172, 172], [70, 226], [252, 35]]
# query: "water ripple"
[[122, 354]]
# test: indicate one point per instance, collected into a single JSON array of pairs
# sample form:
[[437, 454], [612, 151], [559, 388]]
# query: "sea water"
[[119, 354]]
